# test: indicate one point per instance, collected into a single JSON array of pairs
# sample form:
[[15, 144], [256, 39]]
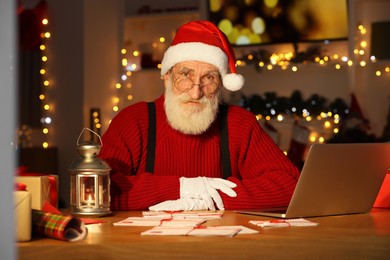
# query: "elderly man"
[[186, 151]]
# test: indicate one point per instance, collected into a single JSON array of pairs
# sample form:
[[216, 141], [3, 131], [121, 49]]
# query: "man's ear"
[[165, 77]]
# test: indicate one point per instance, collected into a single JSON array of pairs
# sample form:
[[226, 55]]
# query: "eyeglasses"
[[184, 80]]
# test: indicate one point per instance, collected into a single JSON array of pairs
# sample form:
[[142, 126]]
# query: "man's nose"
[[196, 91]]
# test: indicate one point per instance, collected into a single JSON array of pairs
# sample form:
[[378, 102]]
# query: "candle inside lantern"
[[89, 201]]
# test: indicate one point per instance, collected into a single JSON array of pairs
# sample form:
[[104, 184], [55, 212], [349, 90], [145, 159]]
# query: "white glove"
[[181, 204], [206, 189]]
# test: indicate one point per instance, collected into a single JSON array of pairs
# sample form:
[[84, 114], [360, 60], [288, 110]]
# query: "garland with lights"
[[33, 34], [271, 105], [263, 59]]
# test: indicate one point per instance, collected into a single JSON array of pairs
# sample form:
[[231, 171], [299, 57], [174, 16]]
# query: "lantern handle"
[[86, 128]]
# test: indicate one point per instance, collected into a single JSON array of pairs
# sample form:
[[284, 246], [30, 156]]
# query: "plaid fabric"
[[49, 224]]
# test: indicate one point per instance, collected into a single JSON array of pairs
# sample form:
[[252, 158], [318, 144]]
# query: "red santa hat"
[[203, 41]]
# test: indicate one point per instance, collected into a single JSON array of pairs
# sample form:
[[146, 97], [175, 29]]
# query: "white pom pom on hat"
[[203, 41]]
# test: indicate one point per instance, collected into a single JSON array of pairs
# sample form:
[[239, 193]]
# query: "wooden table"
[[358, 236]]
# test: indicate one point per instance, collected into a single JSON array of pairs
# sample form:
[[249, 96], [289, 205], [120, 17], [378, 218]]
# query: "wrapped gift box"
[[42, 188], [22, 208]]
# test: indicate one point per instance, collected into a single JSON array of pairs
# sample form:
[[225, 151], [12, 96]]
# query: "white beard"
[[188, 119]]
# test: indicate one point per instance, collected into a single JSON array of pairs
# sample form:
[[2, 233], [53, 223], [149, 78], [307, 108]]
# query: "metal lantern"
[[89, 181]]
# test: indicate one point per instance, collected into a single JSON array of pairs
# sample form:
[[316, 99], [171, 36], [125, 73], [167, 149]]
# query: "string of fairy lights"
[[361, 53], [47, 106]]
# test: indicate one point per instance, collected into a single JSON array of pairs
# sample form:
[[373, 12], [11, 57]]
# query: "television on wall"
[[254, 22]]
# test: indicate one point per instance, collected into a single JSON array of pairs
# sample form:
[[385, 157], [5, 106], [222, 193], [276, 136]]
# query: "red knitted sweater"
[[263, 174]]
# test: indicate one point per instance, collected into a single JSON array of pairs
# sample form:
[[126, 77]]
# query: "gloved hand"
[[206, 189], [181, 204]]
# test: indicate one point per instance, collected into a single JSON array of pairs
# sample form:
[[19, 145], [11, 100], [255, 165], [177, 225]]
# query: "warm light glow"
[[46, 107], [123, 51], [45, 21], [135, 53], [162, 39], [46, 83], [378, 73], [44, 58], [45, 131], [41, 96], [47, 120], [45, 145], [118, 85], [42, 71]]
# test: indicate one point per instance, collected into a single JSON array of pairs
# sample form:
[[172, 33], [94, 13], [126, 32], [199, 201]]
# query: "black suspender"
[[151, 147], [225, 155]]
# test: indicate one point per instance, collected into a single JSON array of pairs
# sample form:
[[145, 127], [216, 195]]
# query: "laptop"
[[336, 179]]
